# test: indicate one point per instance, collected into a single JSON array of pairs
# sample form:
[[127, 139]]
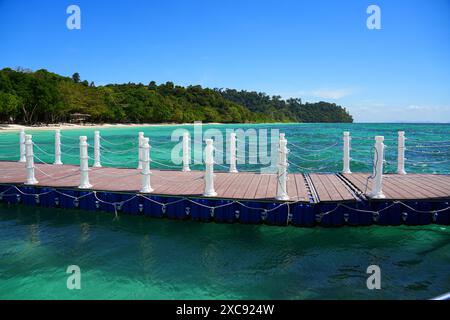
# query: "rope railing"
[[429, 146], [70, 138], [114, 143], [68, 147], [166, 165], [427, 161], [314, 150], [429, 141], [308, 169], [118, 205], [9, 156], [301, 157], [117, 151], [42, 150], [437, 153], [309, 160], [8, 144], [107, 160], [42, 161]]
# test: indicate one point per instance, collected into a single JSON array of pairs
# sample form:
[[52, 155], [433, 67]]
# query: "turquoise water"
[[136, 257], [313, 147]]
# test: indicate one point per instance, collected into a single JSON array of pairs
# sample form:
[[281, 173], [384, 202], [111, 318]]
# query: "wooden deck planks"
[[243, 185], [292, 187], [253, 187], [407, 187], [271, 191], [340, 187], [237, 187], [321, 189], [330, 187], [302, 190], [262, 187]]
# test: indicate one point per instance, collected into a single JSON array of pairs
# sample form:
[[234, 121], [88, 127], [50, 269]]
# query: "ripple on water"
[[139, 257]]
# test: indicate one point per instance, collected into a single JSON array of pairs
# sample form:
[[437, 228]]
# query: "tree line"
[[43, 97]]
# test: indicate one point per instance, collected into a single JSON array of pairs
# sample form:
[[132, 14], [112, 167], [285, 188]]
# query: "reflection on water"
[[139, 257], [33, 234]]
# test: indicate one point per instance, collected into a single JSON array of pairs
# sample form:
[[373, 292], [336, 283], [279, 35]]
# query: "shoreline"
[[72, 126], [69, 126]]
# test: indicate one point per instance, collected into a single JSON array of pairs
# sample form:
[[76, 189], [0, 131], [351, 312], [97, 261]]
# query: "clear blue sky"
[[316, 50]]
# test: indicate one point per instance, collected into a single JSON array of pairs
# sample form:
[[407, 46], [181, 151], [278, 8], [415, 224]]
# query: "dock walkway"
[[310, 188]]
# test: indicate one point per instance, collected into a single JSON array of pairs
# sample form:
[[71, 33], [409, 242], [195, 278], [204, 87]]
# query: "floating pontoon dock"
[[325, 199], [282, 198]]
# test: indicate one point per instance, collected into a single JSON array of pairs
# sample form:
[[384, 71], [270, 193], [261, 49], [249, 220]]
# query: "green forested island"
[[42, 97]]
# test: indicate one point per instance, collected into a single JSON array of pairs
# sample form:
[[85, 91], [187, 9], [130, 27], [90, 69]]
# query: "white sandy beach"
[[67, 126]]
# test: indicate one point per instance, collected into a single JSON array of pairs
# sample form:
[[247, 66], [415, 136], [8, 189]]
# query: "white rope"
[[361, 138], [166, 165], [42, 150], [8, 144], [425, 152], [309, 160], [73, 197], [162, 203], [287, 203], [306, 168], [428, 146], [9, 156], [118, 151], [76, 156], [156, 142], [118, 162], [42, 161], [26, 194], [116, 144], [56, 176], [222, 166], [428, 141], [314, 150], [369, 163], [427, 162], [70, 138], [239, 166], [44, 173], [68, 147]]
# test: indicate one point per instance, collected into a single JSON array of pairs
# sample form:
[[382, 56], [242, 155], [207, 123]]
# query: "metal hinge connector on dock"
[[358, 194], [313, 197]]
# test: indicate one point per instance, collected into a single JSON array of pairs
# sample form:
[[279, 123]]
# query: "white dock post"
[[233, 168], [145, 182], [186, 152], [22, 145], [377, 192], [57, 147], [282, 169], [209, 170], [29, 155], [346, 168], [97, 162], [401, 153], [84, 165], [140, 143]]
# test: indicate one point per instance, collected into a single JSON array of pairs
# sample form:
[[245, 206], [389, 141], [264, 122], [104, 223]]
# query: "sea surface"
[[133, 257], [313, 147]]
